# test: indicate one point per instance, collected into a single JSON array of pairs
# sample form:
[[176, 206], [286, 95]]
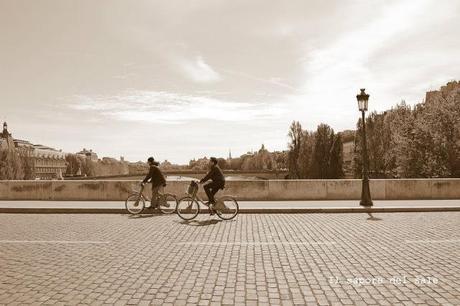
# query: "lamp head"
[[363, 99]]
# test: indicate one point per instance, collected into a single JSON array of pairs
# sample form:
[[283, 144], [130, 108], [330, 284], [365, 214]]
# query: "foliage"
[[296, 136], [11, 164], [316, 155], [415, 142], [73, 165], [28, 167]]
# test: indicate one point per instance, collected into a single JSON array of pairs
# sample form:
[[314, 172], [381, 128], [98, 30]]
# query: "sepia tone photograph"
[[212, 152]]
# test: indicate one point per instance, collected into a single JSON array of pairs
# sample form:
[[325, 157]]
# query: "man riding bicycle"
[[218, 180], [157, 179]]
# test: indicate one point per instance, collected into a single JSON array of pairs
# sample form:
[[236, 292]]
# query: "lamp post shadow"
[[371, 217]]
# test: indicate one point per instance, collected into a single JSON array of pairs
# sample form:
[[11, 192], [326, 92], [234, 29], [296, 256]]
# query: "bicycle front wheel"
[[227, 207], [135, 204], [187, 208], [168, 203]]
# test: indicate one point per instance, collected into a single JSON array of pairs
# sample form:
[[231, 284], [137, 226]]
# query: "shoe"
[[187, 210], [150, 209], [163, 202], [220, 205], [211, 209]]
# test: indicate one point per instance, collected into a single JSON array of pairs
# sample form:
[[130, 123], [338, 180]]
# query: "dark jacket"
[[215, 174], [155, 176]]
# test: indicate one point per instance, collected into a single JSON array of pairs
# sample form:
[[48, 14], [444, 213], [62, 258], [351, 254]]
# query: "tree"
[[11, 166], [28, 167], [324, 138], [222, 163], [295, 134], [73, 164], [316, 155], [304, 161], [335, 165]]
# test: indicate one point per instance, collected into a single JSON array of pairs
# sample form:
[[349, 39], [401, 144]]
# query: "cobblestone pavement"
[[292, 259]]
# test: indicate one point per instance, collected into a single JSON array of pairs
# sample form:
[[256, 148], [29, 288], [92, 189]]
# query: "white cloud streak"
[[172, 108], [199, 71]]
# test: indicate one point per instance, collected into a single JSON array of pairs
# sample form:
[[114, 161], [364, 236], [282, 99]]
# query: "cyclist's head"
[[150, 160], [213, 160]]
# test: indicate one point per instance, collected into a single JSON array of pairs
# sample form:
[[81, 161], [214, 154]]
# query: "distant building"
[[443, 92], [45, 162], [88, 154], [48, 163]]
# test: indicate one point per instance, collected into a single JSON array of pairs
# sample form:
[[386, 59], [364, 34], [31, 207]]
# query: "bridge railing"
[[100, 190]]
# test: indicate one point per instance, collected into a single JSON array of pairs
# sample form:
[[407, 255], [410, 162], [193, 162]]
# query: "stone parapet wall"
[[92, 190]]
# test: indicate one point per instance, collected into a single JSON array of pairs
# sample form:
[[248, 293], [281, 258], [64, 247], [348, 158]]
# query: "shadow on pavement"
[[141, 216], [372, 218], [201, 223]]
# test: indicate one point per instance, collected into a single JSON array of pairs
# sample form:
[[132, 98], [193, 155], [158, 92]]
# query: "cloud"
[[173, 108], [347, 59], [334, 73], [199, 71]]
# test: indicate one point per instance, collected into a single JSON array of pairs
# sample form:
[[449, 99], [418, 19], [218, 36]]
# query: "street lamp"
[[366, 200]]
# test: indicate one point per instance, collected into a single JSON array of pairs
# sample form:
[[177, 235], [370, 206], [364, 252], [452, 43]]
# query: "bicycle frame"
[[141, 194], [199, 200]]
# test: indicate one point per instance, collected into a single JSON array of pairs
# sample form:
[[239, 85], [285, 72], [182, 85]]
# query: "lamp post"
[[366, 200]]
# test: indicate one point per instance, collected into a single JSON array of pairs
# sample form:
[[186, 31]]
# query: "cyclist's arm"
[[148, 176], [207, 177]]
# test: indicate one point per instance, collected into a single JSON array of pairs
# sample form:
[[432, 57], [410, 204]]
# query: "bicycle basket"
[[192, 188]]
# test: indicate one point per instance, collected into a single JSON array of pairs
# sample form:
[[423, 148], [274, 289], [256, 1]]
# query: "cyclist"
[[157, 179], [218, 181]]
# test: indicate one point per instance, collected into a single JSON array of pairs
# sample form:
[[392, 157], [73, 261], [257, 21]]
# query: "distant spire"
[[229, 154]]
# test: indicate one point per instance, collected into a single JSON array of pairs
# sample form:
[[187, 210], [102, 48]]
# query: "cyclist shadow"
[[200, 222], [142, 216]]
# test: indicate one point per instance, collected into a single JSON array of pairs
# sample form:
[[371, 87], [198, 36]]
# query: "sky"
[[184, 79]]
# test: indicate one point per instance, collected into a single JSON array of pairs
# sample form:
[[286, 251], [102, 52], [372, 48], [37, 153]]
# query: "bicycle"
[[188, 207], [135, 203]]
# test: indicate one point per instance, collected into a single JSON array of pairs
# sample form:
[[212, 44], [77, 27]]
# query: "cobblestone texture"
[[336, 259]]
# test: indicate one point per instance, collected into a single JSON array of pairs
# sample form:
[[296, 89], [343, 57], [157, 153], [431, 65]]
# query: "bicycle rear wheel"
[[227, 207], [187, 208], [167, 203], [135, 204]]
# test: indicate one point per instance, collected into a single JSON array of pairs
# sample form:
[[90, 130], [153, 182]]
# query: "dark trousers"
[[156, 191], [212, 188]]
